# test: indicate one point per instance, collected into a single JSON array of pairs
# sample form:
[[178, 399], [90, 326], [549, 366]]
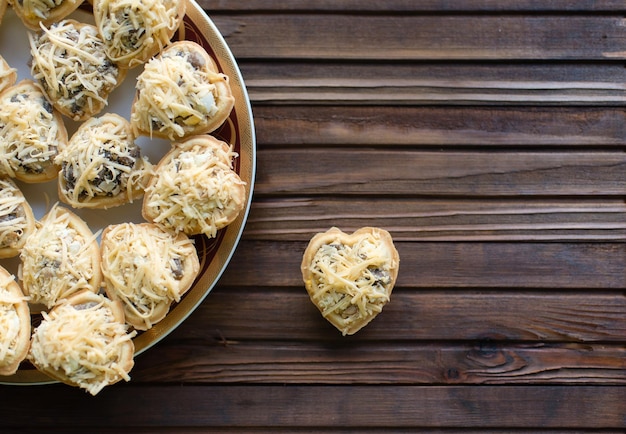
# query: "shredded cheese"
[[30, 135], [69, 61], [350, 281], [84, 343], [38, 10], [58, 260], [195, 192], [176, 94], [102, 160], [11, 324], [134, 30], [144, 265], [13, 221]]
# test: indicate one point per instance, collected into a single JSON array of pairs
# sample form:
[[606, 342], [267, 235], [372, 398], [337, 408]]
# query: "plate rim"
[[210, 277]]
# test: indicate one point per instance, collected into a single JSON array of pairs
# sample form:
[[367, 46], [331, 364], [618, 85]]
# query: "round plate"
[[238, 130]]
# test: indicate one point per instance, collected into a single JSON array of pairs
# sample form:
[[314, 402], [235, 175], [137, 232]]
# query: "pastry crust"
[[181, 93], [349, 278], [102, 167], [8, 75], [195, 189], [32, 133], [36, 12], [15, 324], [17, 221], [3, 8], [84, 342], [147, 269], [69, 61], [60, 258], [135, 30]]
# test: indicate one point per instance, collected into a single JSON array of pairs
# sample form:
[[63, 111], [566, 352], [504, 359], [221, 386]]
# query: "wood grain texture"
[[427, 219], [488, 137], [590, 266], [257, 406], [429, 173], [448, 127], [428, 83], [413, 6], [440, 317], [420, 37], [350, 363]]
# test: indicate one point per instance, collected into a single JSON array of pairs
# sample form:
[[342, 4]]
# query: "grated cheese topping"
[[10, 322], [38, 10], [13, 221], [30, 135], [84, 343], [58, 260], [351, 281], [102, 160], [69, 61], [195, 192], [176, 94], [134, 30], [144, 266]]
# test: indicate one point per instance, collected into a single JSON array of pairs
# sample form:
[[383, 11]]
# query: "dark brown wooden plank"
[[291, 219], [267, 314], [412, 172], [348, 362], [320, 406], [423, 37], [310, 430], [413, 6], [591, 266], [531, 127], [408, 83]]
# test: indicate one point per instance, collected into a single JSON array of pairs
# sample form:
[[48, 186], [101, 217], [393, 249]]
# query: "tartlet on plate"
[[194, 188], [84, 342], [14, 324], [135, 30], [181, 93]]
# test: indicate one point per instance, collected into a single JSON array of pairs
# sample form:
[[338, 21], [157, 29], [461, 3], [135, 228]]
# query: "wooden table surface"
[[487, 136]]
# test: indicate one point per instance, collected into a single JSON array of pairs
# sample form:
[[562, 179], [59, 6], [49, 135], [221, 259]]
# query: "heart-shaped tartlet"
[[349, 277]]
